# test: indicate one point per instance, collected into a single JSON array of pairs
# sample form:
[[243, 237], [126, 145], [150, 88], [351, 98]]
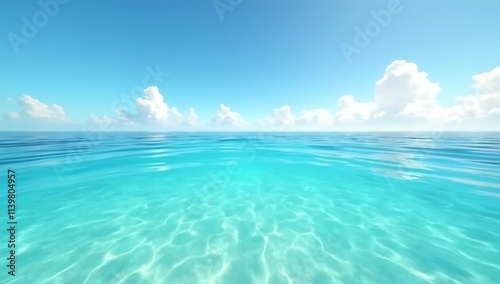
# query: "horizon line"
[[247, 131]]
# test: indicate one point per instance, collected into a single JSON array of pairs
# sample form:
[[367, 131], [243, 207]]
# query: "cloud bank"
[[150, 110], [405, 98], [32, 108]]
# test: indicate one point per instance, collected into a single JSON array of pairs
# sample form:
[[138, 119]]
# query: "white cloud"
[[177, 117], [192, 118], [150, 110], [125, 118], [486, 100], [35, 109], [405, 98], [405, 90], [152, 106], [283, 117], [404, 95], [315, 117], [349, 110], [483, 104], [487, 82], [225, 117]]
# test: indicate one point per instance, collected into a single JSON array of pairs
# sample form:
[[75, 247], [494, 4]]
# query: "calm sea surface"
[[240, 208]]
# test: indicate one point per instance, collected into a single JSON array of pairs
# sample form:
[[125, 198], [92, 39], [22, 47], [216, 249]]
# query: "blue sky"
[[265, 61]]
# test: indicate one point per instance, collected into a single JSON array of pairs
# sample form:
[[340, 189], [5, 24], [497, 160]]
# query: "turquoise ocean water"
[[240, 208]]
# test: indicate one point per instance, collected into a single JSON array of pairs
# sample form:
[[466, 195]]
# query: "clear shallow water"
[[243, 208]]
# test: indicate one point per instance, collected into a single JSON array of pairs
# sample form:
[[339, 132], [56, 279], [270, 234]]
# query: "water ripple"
[[252, 208]]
